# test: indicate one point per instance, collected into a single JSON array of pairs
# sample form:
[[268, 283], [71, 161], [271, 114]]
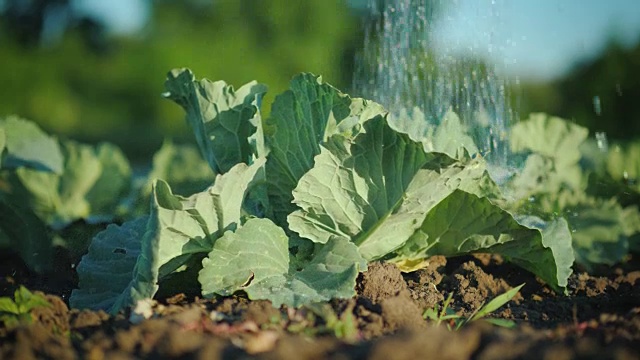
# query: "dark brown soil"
[[599, 319]]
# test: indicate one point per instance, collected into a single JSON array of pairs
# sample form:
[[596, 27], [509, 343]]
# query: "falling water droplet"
[[402, 68], [601, 140], [597, 107]]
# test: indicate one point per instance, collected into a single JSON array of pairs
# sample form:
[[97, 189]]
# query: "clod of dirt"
[[401, 312], [630, 278], [55, 317], [432, 274], [80, 319], [261, 342], [391, 307], [36, 341], [591, 285], [430, 342], [260, 312], [191, 314], [301, 348], [423, 283], [175, 343], [531, 344], [473, 287], [381, 281]]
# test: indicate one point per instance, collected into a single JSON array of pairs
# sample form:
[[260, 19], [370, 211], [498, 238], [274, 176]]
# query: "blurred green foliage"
[[94, 87], [600, 93], [112, 92]]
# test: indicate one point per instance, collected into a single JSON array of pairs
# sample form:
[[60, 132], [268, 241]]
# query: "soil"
[[599, 319]]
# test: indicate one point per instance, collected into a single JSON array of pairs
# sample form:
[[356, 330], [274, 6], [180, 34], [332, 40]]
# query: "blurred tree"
[[72, 90], [601, 93], [34, 22], [25, 20]]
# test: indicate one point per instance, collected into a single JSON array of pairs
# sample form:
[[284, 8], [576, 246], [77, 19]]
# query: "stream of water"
[[402, 69]]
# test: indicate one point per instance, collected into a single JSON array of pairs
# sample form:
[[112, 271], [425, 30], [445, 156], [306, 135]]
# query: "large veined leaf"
[[3, 142], [22, 231], [413, 123], [255, 258], [27, 145], [59, 199], [226, 122], [301, 119], [36, 194], [555, 144], [549, 136], [464, 223], [553, 181], [541, 175], [188, 226], [177, 229], [91, 184], [112, 185], [448, 137], [381, 190], [180, 166], [631, 218], [377, 189], [113, 274], [600, 231]]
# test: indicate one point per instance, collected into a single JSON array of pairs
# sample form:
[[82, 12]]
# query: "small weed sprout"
[[444, 313], [342, 326], [16, 311]]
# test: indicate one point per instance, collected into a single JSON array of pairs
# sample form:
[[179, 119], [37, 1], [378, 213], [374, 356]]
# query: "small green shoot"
[[16, 311], [342, 327], [438, 314]]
